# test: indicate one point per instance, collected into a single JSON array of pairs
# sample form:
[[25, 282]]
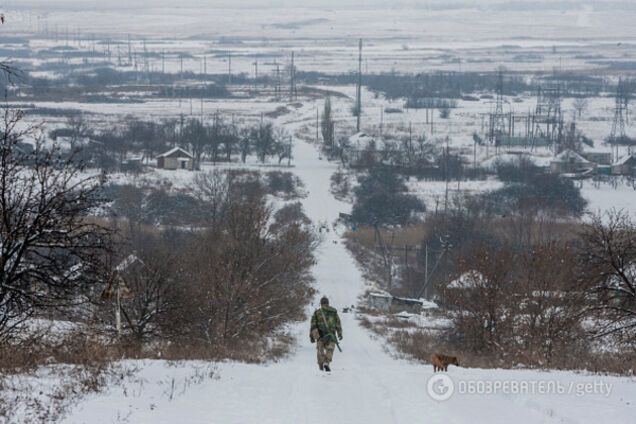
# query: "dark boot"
[[320, 366], [326, 368]]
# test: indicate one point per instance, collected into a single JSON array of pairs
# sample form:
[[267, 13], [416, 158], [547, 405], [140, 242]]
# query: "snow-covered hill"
[[367, 384]]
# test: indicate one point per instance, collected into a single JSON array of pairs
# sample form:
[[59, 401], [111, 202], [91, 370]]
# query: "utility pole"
[[118, 311], [108, 49], [446, 178], [317, 125], [277, 88], [289, 153], [255, 72], [146, 63], [359, 87], [129, 51], [292, 86], [381, 120], [229, 68], [426, 265]]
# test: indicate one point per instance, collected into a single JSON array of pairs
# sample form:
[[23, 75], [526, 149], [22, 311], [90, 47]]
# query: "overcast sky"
[[105, 4]]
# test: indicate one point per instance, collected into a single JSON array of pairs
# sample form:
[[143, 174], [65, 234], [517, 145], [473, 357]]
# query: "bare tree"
[[149, 275], [609, 258], [244, 143], [246, 277], [79, 129], [283, 144], [49, 250], [327, 124], [262, 136], [213, 190], [580, 105], [481, 295], [197, 137], [504, 292]]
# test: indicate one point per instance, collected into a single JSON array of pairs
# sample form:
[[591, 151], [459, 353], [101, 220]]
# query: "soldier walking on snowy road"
[[325, 326]]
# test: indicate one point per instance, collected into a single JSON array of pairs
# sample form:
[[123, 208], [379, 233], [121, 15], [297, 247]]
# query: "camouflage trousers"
[[325, 351]]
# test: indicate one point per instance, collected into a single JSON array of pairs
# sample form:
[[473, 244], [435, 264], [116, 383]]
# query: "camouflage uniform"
[[324, 335]]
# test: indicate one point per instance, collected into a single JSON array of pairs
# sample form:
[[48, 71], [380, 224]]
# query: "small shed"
[[176, 158], [384, 301], [569, 161], [625, 166], [381, 301]]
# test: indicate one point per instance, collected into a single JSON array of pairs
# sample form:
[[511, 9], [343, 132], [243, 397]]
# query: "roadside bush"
[[520, 170], [222, 288], [381, 198], [283, 184], [542, 193]]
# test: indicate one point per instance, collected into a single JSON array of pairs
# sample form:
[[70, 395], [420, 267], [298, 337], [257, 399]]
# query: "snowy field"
[[325, 39], [367, 385]]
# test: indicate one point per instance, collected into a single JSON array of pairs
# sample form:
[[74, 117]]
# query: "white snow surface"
[[367, 384]]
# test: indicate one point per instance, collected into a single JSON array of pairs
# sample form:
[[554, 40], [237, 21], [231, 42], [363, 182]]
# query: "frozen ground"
[[404, 39], [605, 197], [367, 385]]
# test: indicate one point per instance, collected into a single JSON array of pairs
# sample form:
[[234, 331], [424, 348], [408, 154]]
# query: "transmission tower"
[[498, 119], [618, 133], [547, 118], [359, 88], [277, 86], [292, 83]]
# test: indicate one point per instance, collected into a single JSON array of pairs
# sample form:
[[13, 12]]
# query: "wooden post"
[[118, 310]]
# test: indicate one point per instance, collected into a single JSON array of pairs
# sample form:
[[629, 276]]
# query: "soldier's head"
[[324, 301]]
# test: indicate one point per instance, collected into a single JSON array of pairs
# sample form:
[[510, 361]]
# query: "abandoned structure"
[[625, 166], [568, 161], [176, 158]]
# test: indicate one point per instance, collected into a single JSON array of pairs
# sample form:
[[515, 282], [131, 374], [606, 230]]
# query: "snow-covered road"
[[366, 386]]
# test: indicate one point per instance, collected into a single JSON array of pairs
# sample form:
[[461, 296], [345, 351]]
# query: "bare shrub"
[[49, 252], [609, 258], [258, 278], [78, 363]]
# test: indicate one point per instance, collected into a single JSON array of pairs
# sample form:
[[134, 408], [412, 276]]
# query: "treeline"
[[424, 87], [71, 83], [531, 290], [522, 280], [217, 139], [534, 293], [222, 286], [163, 205], [230, 284], [107, 76], [382, 197]]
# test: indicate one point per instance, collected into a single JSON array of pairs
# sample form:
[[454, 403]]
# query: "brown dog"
[[441, 362]]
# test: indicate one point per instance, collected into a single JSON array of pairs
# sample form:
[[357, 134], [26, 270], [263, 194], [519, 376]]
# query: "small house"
[[599, 158], [568, 161], [176, 158], [625, 166]]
